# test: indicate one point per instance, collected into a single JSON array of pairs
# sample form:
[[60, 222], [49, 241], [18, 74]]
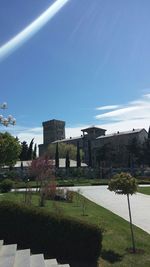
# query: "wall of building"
[[93, 138]]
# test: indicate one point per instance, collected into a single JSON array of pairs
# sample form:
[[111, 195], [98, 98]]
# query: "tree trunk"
[[132, 235]]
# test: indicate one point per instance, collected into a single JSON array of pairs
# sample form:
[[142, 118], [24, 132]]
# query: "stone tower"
[[52, 130]]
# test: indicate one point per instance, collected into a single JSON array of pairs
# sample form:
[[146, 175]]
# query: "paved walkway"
[[140, 204]]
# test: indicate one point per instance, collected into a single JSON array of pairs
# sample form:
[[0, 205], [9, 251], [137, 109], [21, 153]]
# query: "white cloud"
[[108, 107], [135, 114], [135, 110]]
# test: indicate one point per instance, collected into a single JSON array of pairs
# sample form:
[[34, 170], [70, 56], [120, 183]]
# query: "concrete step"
[[22, 258], [8, 250], [37, 260], [7, 261], [51, 263], [64, 265]]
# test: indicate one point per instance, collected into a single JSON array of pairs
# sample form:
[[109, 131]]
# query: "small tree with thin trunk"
[[57, 157], [125, 184], [42, 169]]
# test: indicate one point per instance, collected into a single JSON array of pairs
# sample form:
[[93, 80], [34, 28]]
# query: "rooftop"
[[91, 128], [121, 133], [67, 139]]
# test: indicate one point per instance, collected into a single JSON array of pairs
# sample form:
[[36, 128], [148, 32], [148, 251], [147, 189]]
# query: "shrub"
[[6, 186], [69, 195], [56, 236]]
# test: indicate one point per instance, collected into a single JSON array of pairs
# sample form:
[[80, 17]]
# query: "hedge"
[[44, 232], [6, 185]]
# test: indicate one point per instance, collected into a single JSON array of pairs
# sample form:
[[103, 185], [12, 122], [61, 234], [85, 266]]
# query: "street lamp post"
[[10, 120]]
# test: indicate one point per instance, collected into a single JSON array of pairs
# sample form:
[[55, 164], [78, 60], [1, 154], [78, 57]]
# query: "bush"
[[6, 185], [69, 195], [56, 236]]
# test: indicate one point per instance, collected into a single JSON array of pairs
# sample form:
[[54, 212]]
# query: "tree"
[[149, 133], [42, 170], [125, 184], [146, 152], [63, 148], [9, 149], [78, 158], [104, 153], [30, 150], [104, 157], [57, 157], [134, 150], [35, 152], [67, 160], [90, 153], [24, 151]]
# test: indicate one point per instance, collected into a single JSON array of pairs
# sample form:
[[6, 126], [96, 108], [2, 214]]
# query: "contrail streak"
[[30, 30]]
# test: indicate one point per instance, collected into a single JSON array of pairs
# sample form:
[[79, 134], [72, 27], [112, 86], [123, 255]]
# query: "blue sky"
[[89, 65]]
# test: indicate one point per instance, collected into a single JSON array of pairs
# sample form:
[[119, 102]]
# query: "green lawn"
[[144, 190], [117, 232], [75, 182], [66, 182]]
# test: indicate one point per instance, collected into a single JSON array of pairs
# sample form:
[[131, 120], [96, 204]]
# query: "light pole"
[[10, 120]]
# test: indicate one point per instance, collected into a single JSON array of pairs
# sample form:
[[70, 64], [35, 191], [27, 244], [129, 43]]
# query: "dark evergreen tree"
[[78, 156], [24, 151], [149, 133], [90, 153], [21, 166], [67, 160], [146, 152], [134, 151], [35, 152], [57, 157], [30, 150], [105, 154]]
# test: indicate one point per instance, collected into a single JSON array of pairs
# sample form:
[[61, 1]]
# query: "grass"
[[67, 182], [144, 190], [116, 238], [77, 182]]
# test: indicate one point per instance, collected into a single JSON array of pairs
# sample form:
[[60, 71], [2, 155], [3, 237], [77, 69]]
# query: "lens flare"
[[31, 30]]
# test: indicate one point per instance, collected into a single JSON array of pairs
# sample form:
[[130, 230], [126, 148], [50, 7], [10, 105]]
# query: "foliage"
[[6, 185], [69, 196], [89, 153], [67, 160], [134, 152], [28, 153], [105, 154], [42, 169], [63, 148], [9, 149], [35, 152], [30, 150], [24, 151], [57, 156], [115, 238], [78, 157], [56, 236], [49, 190], [123, 183], [146, 152], [13, 175]]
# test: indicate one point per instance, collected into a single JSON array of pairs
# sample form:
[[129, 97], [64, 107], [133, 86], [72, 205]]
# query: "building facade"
[[92, 140]]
